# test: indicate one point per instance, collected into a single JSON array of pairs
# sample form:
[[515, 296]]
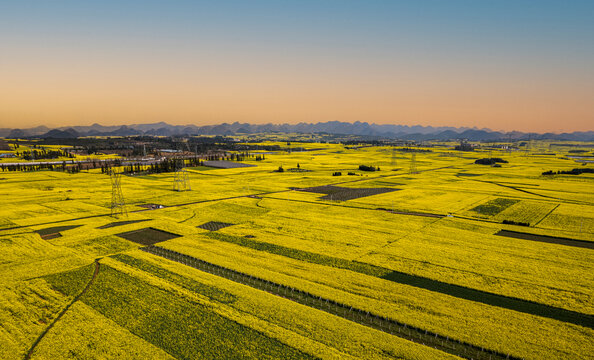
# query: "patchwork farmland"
[[442, 258]]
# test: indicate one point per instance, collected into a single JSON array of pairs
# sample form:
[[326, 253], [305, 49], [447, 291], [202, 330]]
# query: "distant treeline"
[[64, 166], [167, 165], [43, 154], [139, 145], [408, 149], [576, 171]]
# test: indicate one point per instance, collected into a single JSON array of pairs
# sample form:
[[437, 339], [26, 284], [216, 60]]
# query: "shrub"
[[511, 222], [490, 161], [366, 168]]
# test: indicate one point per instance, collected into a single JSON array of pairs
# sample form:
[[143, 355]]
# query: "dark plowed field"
[[214, 225], [147, 236], [342, 193], [120, 223], [54, 232]]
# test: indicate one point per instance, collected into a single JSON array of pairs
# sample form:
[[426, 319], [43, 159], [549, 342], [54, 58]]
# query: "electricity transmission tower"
[[413, 164], [181, 180], [393, 162], [118, 205]]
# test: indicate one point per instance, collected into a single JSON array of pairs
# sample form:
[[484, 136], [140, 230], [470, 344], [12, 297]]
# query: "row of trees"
[[167, 165], [72, 168], [43, 154], [576, 171]]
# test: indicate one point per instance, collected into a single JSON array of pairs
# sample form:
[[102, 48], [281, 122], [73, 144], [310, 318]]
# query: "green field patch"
[[495, 206], [71, 282], [461, 292], [184, 328], [343, 194], [147, 236], [120, 223], [547, 239], [187, 283], [214, 225]]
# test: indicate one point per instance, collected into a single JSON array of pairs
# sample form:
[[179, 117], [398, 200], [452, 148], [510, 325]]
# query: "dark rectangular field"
[[147, 236], [54, 232], [547, 239], [120, 223], [342, 194], [214, 225]]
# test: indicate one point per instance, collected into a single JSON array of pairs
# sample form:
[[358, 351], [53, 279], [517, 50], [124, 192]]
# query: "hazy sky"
[[517, 64]]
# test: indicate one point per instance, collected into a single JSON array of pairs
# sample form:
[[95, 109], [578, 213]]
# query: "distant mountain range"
[[418, 133]]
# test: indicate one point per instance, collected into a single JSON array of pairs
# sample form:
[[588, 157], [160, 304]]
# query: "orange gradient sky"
[[181, 66]]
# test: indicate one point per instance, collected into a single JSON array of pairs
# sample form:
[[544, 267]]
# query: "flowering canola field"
[[426, 255]]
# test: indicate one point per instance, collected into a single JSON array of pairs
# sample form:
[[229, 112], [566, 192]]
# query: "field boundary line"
[[51, 325]]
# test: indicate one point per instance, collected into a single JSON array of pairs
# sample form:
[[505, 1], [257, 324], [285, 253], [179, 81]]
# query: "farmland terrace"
[[437, 259]]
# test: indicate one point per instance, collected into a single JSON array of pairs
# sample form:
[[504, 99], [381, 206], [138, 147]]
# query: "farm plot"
[[120, 223], [83, 333], [343, 193], [578, 219], [526, 211], [54, 232], [25, 310], [147, 236], [181, 327], [435, 312], [495, 206], [337, 308], [214, 225], [416, 281]]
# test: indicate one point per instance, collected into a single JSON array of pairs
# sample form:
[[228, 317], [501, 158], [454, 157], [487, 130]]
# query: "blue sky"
[[497, 64]]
